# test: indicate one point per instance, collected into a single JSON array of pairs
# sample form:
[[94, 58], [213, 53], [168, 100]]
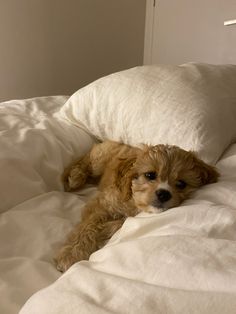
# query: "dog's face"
[[166, 175]]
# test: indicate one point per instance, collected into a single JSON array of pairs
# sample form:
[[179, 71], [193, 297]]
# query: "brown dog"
[[131, 180]]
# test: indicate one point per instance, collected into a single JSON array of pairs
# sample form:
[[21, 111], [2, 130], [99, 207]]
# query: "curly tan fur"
[[131, 180]]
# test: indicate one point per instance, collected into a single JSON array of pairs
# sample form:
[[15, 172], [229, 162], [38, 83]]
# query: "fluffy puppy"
[[131, 180]]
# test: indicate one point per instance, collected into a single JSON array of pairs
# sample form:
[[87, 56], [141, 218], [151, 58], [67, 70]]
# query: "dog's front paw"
[[65, 259], [74, 178], [69, 255]]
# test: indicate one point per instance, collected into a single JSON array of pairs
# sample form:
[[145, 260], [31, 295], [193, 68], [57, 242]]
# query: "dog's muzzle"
[[162, 197]]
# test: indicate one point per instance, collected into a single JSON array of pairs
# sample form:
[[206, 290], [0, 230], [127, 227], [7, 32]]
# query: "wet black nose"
[[163, 195]]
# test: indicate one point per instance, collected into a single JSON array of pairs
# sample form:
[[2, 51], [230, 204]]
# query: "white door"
[[179, 31]]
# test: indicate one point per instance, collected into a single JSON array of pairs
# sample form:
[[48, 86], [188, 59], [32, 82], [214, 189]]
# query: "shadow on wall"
[[57, 46]]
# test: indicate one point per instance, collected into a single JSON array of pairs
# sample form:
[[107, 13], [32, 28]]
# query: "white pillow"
[[191, 105]]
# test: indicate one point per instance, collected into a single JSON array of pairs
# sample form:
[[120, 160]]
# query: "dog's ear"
[[208, 173], [124, 176]]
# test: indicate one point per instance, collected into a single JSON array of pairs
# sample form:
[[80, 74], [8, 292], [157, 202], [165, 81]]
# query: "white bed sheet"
[[35, 213], [179, 261]]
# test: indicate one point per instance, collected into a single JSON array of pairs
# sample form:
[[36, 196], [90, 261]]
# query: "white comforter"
[[180, 261]]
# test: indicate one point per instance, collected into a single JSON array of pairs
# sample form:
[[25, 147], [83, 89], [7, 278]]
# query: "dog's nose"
[[163, 195]]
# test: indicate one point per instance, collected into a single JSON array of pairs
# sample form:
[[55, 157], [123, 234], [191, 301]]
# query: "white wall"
[[180, 31], [50, 47]]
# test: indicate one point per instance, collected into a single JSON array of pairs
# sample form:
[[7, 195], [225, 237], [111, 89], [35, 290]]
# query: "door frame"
[[149, 29]]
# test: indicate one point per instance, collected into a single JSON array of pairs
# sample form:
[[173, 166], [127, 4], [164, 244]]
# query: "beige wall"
[[50, 47]]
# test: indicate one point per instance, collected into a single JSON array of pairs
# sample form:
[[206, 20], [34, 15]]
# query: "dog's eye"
[[150, 175], [180, 184]]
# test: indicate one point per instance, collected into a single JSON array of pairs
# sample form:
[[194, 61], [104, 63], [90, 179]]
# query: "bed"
[[179, 261]]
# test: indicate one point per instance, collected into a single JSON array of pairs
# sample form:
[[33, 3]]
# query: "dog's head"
[[163, 176]]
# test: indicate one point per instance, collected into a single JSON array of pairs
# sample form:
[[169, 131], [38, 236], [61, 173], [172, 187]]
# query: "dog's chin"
[[156, 208]]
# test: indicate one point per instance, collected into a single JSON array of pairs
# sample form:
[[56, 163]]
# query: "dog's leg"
[[75, 176], [86, 238], [92, 165]]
